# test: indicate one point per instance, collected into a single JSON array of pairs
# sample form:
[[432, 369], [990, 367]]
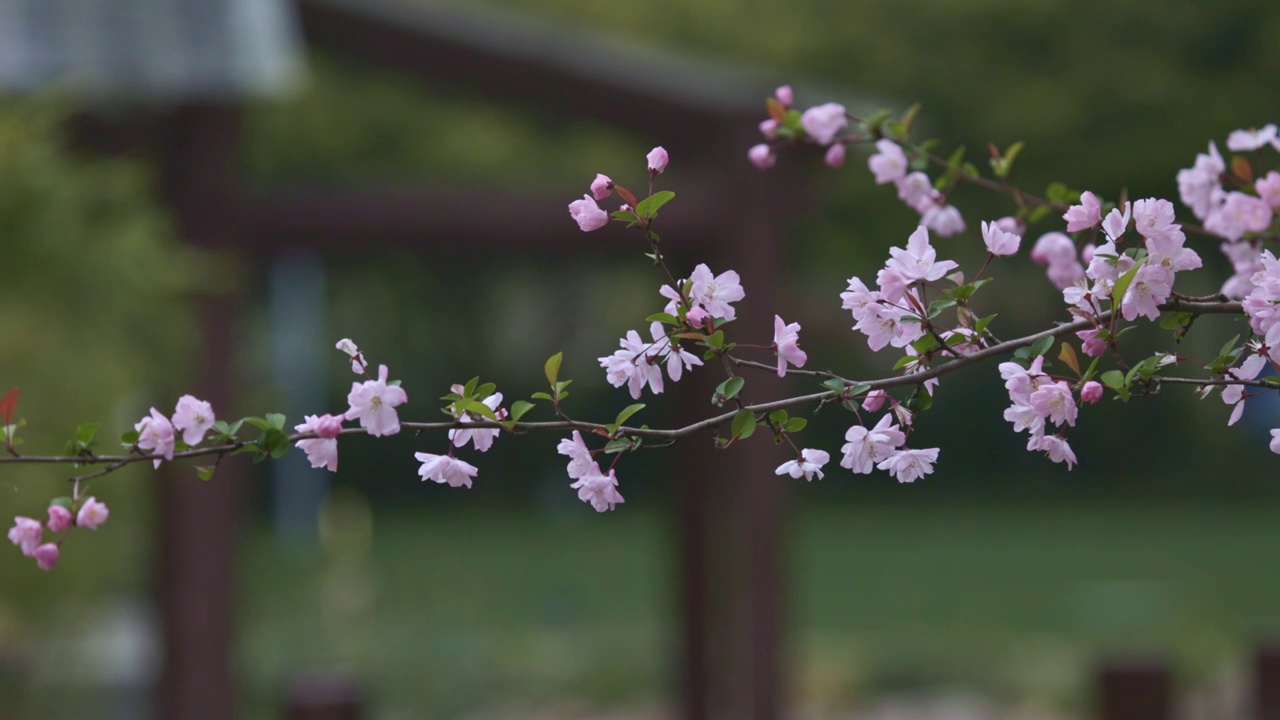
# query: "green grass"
[[448, 614]]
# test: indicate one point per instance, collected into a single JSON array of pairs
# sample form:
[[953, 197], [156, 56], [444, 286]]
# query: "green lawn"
[[447, 614]]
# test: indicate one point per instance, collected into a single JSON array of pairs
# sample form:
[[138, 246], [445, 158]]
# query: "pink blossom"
[[1251, 138], [919, 260], [678, 359], [909, 465], [999, 242], [714, 293], [1150, 287], [916, 191], [1011, 224], [823, 122], [1087, 252], [1054, 401], [1091, 344], [889, 164], [26, 533], [857, 298], [193, 418], [358, 364], [92, 514], [588, 214], [657, 158], [866, 447], [1116, 222], [482, 438], [943, 219], [808, 464], [1052, 249], [1268, 189], [1153, 218], [762, 156], [46, 556], [885, 325], [786, 343], [893, 284], [1275, 441], [445, 469], [374, 403], [59, 518], [155, 434], [602, 186], [769, 128], [1239, 214], [1168, 252], [634, 365], [1091, 392], [835, 155], [1085, 215], [322, 451], [1234, 394], [580, 461], [598, 490], [1056, 447], [1198, 184], [784, 95], [874, 401]]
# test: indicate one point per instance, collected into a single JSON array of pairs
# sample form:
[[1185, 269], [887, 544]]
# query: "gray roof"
[[161, 50]]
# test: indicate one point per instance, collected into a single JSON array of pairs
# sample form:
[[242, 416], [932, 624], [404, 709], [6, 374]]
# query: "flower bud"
[[1091, 392], [657, 158], [874, 400], [835, 155], [761, 156], [602, 186], [59, 518], [784, 95]]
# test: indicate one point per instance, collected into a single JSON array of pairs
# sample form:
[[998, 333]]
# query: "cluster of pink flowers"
[[596, 488], [891, 315], [157, 434], [1166, 255], [889, 165], [639, 363], [28, 534], [1037, 399], [588, 213], [881, 448], [449, 470]]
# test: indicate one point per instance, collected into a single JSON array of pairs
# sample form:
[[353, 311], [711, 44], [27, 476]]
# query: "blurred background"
[[204, 195]]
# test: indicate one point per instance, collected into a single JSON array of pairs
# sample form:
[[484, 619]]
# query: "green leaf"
[[260, 423], [541, 396], [1122, 285], [714, 340], [744, 424], [520, 407], [617, 446], [1039, 213], [561, 385], [627, 412], [276, 443], [204, 472], [276, 420], [727, 390], [1042, 345], [485, 390], [470, 389], [833, 385], [475, 407], [648, 207], [63, 502], [129, 438], [664, 318], [795, 424], [924, 344], [858, 389], [981, 326], [85, 433], [919, 401], [904, 361], [1176, 320], [625, 215], [1113, 379], [778, 417], [1231, 344]]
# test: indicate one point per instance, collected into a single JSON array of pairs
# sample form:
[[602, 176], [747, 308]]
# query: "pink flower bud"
[[1011, 224], [657, 158], [874, 400], [587, 214], [1091, 392], [761, 156], [602, 186], [784, 95], [626, 208], [769, 128], [59, 518], [92, 514], [328, 427], [835, 155], [1086, 253], [697, 317], [46, 556]]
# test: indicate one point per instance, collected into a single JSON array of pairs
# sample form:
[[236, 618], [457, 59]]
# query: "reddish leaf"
[[1241, 168], [8, 404], [776, 110], [626, 195]]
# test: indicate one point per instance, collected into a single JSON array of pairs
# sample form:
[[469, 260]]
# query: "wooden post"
[[324, 698], [1266, 682], [198, 520], [1135, 690]]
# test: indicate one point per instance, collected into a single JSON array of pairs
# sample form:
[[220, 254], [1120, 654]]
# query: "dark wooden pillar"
[[198, 520], [1266, 682], [1135, 690]]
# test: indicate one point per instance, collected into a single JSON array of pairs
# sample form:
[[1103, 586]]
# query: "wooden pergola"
[[732, 507]]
